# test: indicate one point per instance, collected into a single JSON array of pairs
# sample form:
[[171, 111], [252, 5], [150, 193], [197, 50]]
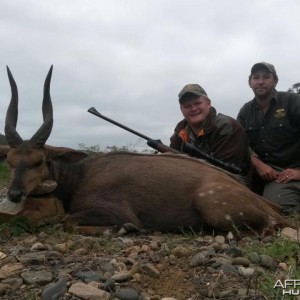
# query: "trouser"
[[286, 195]]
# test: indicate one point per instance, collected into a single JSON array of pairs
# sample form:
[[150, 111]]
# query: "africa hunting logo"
[[288, 286]]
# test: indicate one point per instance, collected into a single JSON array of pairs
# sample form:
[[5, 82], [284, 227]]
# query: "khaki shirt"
[[275, 135]]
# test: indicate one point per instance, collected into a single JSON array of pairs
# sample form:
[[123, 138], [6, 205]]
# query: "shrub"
[[4, 172]]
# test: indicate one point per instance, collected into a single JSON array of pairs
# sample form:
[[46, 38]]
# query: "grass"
[[15, 226], [281, 250], [4, 172]]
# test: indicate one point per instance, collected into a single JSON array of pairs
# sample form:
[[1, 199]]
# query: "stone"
[[290, 233], [13, 282], [64, 247], [55, 290], [121, 276], [38, 246], [199, 259], [244, 292], [241, 261], [234, 252], [127, 294], [150, 270], [85, 291], [219, 261], [8, 208], [211, 252], [28, 241], [87, 276], [283, 266], [3, 288], [37, 277], [109, 285], [181, 252], [228, 268], [11, 270], [267, 261], [254, 257], [246, 272], [33, 258], [2, 255], [154, 245], [220, 239]]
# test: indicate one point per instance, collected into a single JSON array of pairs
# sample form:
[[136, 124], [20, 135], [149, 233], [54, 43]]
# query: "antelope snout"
[[15, 195]]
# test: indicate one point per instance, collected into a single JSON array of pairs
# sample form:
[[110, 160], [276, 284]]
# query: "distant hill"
[[2, 139]]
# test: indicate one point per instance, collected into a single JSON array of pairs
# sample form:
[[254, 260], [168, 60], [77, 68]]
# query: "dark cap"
[[193, 89], [264, 65]]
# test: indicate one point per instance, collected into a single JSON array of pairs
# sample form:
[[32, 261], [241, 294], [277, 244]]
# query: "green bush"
[[4, 172], [16, 226]]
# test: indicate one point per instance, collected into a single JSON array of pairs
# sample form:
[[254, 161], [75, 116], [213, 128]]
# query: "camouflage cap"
[[263, 65], [193, 89]]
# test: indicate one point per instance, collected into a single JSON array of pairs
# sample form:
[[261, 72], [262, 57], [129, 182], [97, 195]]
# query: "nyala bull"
[[159, 192]]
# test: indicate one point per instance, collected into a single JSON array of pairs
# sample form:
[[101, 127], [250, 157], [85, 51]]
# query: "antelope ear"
[[3, 152], [66, 154]]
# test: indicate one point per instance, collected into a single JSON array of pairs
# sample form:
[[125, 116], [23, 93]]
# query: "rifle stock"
[[159, 146]]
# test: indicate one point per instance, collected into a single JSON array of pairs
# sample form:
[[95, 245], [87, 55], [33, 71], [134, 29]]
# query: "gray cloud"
[[129, 59]]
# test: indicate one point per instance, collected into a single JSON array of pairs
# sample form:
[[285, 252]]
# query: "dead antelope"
[[159, 192]]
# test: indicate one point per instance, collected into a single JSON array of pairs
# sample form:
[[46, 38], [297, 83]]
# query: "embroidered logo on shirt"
[[280, 113]]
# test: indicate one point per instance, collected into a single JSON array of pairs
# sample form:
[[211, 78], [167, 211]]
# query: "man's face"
[[262, 83], [195, 109]]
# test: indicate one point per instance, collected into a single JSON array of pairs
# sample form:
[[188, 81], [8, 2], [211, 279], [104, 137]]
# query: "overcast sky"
[[129, 59]]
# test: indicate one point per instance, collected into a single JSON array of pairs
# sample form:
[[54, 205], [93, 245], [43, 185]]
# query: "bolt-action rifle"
[[159, 146]]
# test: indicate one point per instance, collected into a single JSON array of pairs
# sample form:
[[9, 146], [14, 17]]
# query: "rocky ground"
[[44, 262]]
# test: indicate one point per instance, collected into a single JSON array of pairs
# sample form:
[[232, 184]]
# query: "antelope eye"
[[38, 163]]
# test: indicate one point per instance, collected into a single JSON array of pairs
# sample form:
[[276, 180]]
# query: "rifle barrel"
[[94, 111]]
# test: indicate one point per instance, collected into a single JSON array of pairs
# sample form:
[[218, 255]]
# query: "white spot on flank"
[[202, 194], [210, 192], [241, 213], [219, 187], [227, 217], [224, 203]]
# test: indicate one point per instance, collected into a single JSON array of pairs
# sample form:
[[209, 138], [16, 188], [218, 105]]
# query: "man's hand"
[[288, 175], [266, 172]]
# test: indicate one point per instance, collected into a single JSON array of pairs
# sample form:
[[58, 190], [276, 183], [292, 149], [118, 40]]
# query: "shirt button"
[[262, 127], [263, 140]]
